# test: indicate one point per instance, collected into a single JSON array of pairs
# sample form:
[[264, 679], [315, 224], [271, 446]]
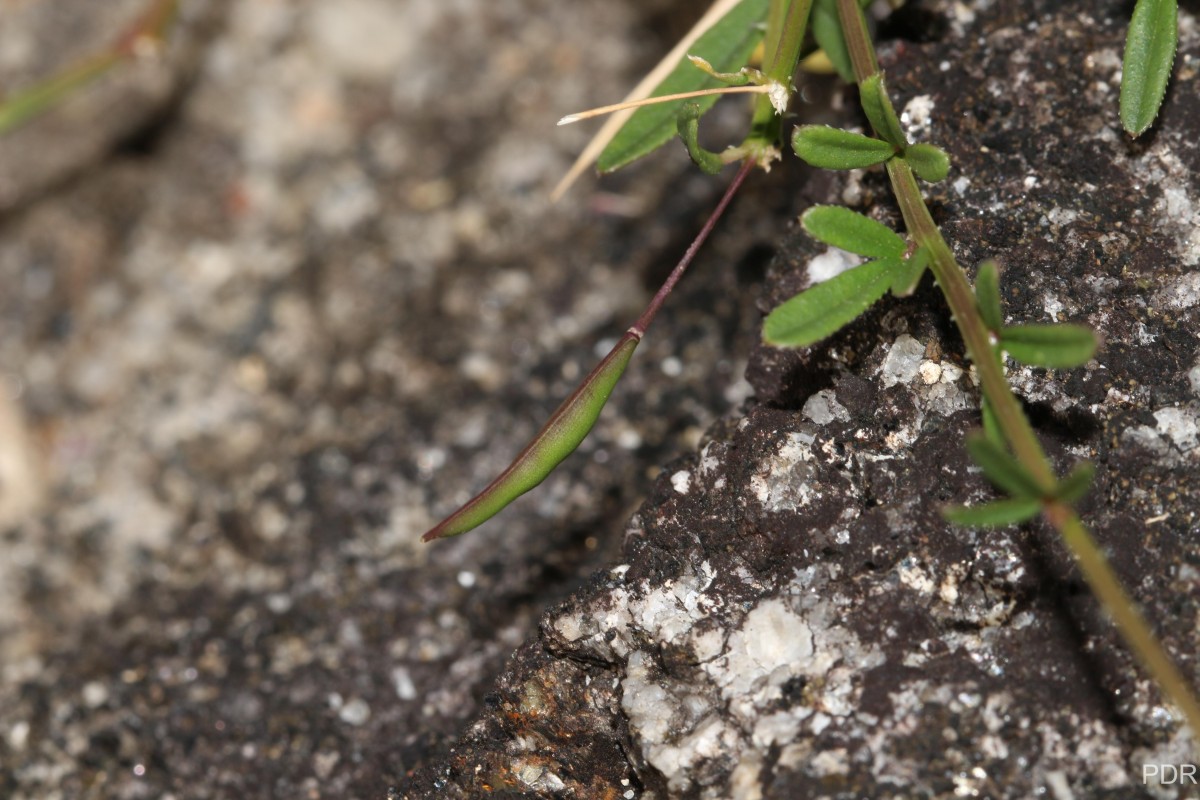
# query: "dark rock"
[[257, 362], [793, 618]]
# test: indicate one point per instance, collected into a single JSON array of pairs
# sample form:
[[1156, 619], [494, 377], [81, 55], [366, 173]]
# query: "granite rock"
[[792, 617], [247, 361]]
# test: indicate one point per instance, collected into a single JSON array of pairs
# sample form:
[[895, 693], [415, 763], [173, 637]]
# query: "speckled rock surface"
[[247, 362], [791, 617]]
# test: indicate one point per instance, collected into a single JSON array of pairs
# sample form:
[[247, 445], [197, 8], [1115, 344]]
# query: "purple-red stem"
[[638, 328]]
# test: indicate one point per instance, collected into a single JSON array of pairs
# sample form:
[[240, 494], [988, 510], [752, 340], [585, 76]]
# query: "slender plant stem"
[[961, 300], [1012, 420], [639, 328], [782, 54], [775, 14], [1096, 570], [1124, 612], [858, 39], [150, 29], [664, 98]]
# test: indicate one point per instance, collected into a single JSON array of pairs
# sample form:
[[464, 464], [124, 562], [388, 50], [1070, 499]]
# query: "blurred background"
[[275, 296]]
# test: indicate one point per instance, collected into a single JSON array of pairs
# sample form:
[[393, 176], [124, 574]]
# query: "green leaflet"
[[822, 310], [1072, 488], [930, 163], [910, 272], [1060, 345], [994, 514], [1001, 468], [880, 112], [1149, 54], [727, 46], [987, 295], [853, 232], [831, 148], [568, 426]]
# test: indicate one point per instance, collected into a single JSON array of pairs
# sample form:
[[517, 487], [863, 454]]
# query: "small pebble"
[[356, 712]]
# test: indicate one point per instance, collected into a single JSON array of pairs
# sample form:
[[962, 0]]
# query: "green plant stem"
[[775, 15], [858, 39], [150, 28], [961, 300], [1013, 423], [1095, 567], [1124, 612], [782, 51], [26, 105]]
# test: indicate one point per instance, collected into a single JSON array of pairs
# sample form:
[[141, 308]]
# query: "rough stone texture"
[[253, 357], [792, 617]]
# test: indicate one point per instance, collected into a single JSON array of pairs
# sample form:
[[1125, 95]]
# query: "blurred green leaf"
[[823, 309], [1149, 54], [853, 232], [1001, 468], [987, 295], [831, 148], [878, 108], [1072, 488], [995, 514], [1060, 345], [991, 425], [727, 46], [928, 162]]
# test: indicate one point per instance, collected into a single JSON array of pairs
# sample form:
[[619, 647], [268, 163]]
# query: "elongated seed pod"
[[555, 441]]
